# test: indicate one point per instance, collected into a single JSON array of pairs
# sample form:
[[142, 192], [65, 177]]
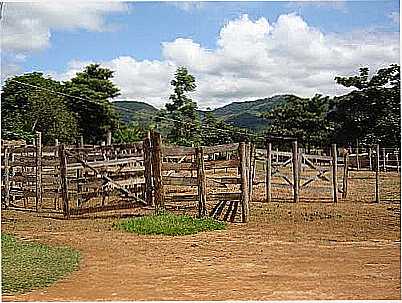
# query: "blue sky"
[[136, 31]]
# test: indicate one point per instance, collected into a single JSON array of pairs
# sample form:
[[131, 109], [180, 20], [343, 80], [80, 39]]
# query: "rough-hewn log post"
[[251, 170], [334, 172], [7, 177], [244, 182], [398, 167], [357, 155], [384, 162], [345, 175], [370, 155], [63, 181], [268, 177], [38, 171], [109, 138], [202, 183], [377, 175], [295, 167], [148, 171], [156, 160]]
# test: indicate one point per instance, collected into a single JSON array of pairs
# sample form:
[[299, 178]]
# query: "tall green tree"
[[185, 130], [304, 119], [27, 109], [371, 112], [95, 113]]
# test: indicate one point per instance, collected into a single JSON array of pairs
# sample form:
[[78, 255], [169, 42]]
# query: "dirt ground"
[[304, 251]]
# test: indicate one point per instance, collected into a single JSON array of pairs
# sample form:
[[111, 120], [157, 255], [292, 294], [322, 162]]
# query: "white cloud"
[[28, 27], [187, 5], [255, 59]]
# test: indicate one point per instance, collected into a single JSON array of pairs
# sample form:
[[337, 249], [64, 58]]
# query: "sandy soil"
[[306, 251]]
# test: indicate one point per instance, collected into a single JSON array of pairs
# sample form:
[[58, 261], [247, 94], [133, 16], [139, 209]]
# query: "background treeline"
[[66, 110]]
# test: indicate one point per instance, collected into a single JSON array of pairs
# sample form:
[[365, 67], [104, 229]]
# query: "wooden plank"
[[226, 180], [108, 163], [234, 212], [346, 174], [63, 181], [222, 164], [38, 171], [168, 166], [244, 182], [95, 209], [202, 183], [221, 148], [217, 205], [229, 210], [317, 157], [157, 170], [177, 151], [180, 181], [227, 196], [295, 163], [148, 170], [219, 210], [335, 173]]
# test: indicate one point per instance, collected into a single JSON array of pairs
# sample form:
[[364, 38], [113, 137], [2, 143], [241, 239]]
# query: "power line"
[[226, 131]]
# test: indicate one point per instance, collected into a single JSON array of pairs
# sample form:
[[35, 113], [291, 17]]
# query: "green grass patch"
[[29, 265], [169, 224]]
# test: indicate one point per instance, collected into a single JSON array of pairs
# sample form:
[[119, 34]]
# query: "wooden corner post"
[[148, 171], [295, 162], [38, 146], [245, 199], [63, 181], [268, 176], [334, 172], [202, 182], [156, 159]]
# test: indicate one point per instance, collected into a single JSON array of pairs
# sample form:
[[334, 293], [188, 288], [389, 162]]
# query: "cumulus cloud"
[[255, 59], [28, 27]]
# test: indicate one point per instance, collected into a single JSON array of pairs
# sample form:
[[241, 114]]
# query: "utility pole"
[[1, 9]]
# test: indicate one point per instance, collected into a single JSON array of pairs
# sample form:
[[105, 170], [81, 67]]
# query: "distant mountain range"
[[241, 114]]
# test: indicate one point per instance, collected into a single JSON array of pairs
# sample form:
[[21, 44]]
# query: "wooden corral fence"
[[75, 180], [363, 158], [300, 175]]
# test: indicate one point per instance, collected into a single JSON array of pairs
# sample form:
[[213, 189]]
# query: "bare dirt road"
[[305, 251]]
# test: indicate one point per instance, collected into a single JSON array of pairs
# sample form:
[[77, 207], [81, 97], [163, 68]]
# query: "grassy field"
[[169, 224], [29, 265]]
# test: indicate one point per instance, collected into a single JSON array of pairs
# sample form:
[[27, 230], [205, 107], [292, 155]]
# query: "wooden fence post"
[[202, 182], [148, 171], [295, 163], [268, 177], [398, 167], [156, 159], [335, 172], [357, 155], [370, 154], [384, 160], [377, 175], [38, 171], [7, 177], [345, 175], [63, 181], [251, 170], [109, 138], [244, 181]]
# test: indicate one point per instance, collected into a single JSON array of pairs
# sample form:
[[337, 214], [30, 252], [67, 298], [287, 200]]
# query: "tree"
[[304, 119], [128, 133], [371, 112], [26, 109], [183, 110], [95, 114]]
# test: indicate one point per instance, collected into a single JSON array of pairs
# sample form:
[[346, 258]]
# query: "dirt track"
[[305, 251]]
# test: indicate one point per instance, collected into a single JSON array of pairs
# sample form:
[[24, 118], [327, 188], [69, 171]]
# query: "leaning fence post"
[[295, 163], [202, 182], [157, 170], [244, 181], [38, 171], [268, 177], [7, 177], [148, 171], [63, 181], [377, 175], [345, 175], [335, 172]]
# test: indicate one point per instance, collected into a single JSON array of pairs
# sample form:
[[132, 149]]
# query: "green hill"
[[136, 110]]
